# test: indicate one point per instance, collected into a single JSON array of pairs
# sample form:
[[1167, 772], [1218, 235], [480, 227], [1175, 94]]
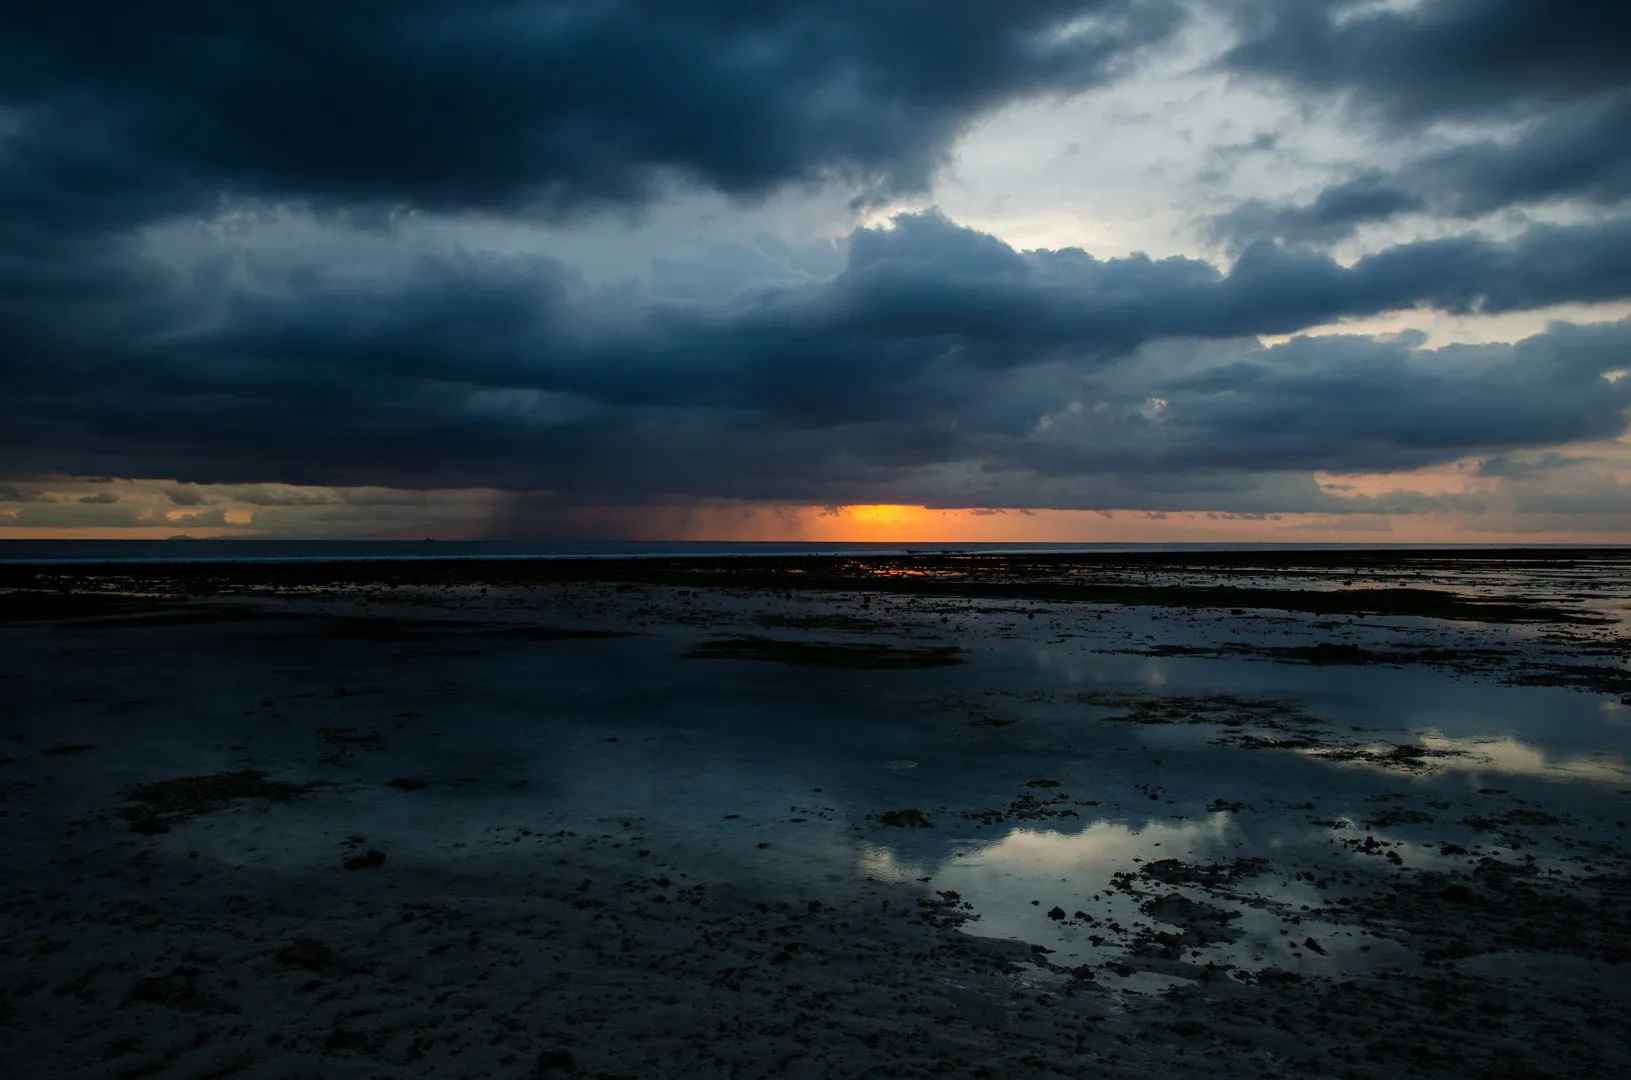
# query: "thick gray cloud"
[[940, 365], [13, 493], [74, 515], [1554, 82], [1528, 467], [1438, 58], [1599, 494], [186, 496], [1331, 216], [120, 113], [926, 295], [1580, 153]]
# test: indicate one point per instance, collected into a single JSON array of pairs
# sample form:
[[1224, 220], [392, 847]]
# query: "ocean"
[[101, 551]]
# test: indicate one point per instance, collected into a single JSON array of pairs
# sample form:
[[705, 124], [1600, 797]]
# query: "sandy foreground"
[[619, 823]]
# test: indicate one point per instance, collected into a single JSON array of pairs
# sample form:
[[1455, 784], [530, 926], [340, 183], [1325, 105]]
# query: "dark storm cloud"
[[1557, 79], [1331, 216], [1582, 153], [258, 496], [1358, 403], [1599, 493], [115, 113], [1525, 468], [924, 296], [1439, 58], [12, 493], [939, 365], [72, 515], [186, 496]]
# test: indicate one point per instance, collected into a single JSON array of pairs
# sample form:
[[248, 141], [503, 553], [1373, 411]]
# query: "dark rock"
[[554, 1058], [177, 990], [306, 952], [1389, 818], [904, 819], [348, 1039], [1278, 975], [373, 860], [1330, 653]]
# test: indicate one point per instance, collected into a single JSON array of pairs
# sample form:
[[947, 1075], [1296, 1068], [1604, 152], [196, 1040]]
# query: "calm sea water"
[[95, 551]]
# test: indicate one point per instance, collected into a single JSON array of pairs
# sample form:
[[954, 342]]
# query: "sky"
[[1047, 270]]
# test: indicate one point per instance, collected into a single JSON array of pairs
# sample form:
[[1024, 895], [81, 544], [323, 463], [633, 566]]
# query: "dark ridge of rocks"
[[1607, 680], [1224, 709], [1198, 925], [903, 819], [1206, 876], [1390, 818], [1028, 808], [1407, 756]]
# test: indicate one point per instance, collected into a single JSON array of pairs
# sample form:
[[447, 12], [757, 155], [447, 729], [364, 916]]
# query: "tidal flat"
[[1234, 814]]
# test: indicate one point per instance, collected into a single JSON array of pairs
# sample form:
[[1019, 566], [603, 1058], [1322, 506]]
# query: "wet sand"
[[1325, 814]]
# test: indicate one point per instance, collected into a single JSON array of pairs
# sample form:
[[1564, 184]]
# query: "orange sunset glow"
[[71, 508]]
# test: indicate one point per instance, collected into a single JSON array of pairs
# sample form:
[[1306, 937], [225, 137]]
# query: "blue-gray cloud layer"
[[935, 364], [1552, 82], [939, 364], [125, 111]]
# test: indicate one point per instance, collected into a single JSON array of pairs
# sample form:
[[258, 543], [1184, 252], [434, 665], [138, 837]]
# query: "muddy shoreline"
[[610, 818], [1362, 582]]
